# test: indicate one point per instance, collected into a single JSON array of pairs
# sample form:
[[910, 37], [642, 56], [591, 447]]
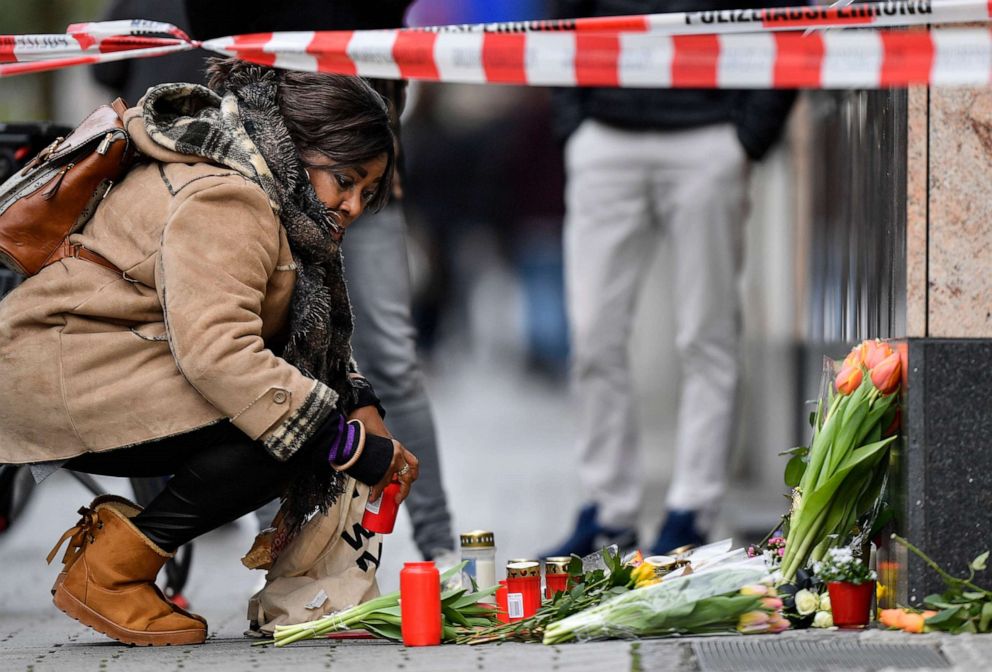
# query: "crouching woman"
[[205, 333]]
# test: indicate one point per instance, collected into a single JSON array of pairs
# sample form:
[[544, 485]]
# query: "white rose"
[[806, 602], [823, 619], [825, 602]]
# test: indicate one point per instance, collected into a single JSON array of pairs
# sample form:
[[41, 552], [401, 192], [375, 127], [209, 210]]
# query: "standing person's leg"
[[384, 342], [706, 206], [609, 239]]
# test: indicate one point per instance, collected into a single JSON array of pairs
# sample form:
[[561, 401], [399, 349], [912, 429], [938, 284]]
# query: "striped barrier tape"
[[888, 14], [580, 52], [844, 59]]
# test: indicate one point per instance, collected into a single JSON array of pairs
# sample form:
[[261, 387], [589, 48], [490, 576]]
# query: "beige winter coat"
[[91, 360]]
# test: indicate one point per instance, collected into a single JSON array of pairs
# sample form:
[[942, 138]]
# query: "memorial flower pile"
[[838, 480]]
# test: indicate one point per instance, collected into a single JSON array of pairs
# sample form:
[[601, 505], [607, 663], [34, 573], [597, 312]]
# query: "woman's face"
[[345, 188]]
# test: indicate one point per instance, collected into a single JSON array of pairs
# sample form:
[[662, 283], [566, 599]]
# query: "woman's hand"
[[404, 466]]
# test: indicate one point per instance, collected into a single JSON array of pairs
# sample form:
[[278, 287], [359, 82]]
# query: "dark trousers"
[[218, 475]]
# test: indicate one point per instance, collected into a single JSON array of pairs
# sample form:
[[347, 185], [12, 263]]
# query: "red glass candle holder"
[[523, 590], [555, 575], [380, 515], [420, 604], [502, 614]]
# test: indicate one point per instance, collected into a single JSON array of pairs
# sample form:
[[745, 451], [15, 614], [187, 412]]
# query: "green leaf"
[[979, 563], [972, 595], [938, 603], [983, 624], [448, 633], [794, 470], [454, 616], [385, 631], [798, 450], [480, 622], [943, 616], [451, 595], [452, 572], [470, 599]]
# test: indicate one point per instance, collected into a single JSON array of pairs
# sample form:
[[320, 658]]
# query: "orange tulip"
[[875, 352], [849, 379], [886, 376], [891, 618], [912, 623], [855, 358]]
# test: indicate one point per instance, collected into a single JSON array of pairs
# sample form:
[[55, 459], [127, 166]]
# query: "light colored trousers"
[[377, 271], [624, 190]]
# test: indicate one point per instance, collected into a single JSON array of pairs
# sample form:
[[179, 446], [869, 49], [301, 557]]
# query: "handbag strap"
[[67, 249], [75, 251]]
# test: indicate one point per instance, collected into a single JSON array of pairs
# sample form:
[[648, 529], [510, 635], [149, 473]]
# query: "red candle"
[[380, 515], [420, 604], [556, 575], [501, 614], [523, 589]]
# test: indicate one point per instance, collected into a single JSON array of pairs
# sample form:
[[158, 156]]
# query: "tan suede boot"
[[108, 580]]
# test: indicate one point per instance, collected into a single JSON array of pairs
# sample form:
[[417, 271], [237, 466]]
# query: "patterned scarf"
[[245, 131]]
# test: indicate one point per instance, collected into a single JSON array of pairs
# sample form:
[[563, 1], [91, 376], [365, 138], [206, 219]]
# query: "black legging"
[[218, 475]]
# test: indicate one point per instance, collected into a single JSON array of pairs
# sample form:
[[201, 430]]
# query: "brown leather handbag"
[[56, 193]]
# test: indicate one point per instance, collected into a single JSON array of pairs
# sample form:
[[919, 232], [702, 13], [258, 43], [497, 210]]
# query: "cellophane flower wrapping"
[[703, 602]]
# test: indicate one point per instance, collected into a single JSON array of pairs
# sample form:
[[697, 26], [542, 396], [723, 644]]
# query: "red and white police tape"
[[638, 51], [889, 14]]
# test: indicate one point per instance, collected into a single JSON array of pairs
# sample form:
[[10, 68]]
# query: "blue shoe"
[[679, 530], [589, 536]]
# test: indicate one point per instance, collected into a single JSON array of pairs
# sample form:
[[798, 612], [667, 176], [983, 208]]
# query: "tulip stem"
[[950, 578]]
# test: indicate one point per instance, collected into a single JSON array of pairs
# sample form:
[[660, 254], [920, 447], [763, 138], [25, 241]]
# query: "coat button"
[[279, 397]]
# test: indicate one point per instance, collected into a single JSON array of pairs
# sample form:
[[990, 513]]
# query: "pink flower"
[[771, 603], [777, 623], [753, 623]]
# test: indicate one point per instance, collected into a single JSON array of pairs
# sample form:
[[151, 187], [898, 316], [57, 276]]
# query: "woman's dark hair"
[[339, 116]]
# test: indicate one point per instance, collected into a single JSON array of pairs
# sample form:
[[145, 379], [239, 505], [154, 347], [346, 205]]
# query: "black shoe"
[[589, 536], [678, 530]]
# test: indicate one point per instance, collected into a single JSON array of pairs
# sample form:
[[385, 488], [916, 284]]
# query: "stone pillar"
[[945, 467]]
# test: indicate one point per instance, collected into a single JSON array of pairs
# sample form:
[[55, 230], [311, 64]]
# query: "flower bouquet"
[[838, 480], [723, 597]]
